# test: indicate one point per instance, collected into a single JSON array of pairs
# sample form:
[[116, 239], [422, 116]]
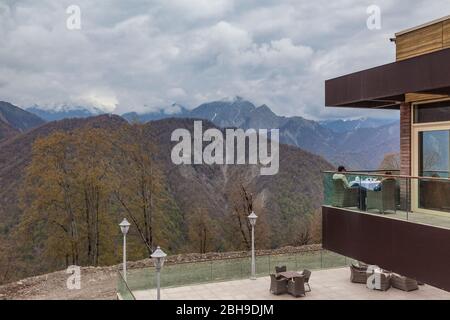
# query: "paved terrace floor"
[[430, 219], [331, 284], [438, 220]]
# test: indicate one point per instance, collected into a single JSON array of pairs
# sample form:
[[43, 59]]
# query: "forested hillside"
[[67, 184]]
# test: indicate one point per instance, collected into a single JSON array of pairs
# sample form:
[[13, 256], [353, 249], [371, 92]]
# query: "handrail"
[[378, 170], [387, 175]]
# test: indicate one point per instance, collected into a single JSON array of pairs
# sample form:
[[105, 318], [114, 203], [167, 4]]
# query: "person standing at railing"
[[362, 194]]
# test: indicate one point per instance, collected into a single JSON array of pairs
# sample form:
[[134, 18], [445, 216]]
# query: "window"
[[434, 156], [434, 153], [432, 112]]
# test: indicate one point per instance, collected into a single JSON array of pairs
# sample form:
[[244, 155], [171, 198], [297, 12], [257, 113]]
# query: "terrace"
[[228, 279], [220, 270], [332, 284]]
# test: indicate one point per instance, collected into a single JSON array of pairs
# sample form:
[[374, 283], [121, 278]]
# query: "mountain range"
[[179, 112], [14, 120], [63, 112], [355, 143], [361, 146], [345, 125]]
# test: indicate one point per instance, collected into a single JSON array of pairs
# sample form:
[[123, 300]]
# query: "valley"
[[194, 208]]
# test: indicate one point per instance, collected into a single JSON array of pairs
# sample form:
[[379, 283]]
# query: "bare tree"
[[242, 207], [391, 161], [139, 180]]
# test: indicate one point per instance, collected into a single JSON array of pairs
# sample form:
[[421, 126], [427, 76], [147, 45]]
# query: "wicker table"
[[296, 283], [290, 274]]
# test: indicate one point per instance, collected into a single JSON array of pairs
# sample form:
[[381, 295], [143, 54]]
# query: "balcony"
[[400, 223], [423, 200]]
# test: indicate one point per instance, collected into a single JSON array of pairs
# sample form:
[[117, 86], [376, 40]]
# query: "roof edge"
[[424, 25]]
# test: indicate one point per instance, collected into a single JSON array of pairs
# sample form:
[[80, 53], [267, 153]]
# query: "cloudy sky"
[[143, 55]]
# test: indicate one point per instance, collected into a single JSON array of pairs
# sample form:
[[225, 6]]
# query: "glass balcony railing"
[[418, 199], [191, 273], [123, 290]]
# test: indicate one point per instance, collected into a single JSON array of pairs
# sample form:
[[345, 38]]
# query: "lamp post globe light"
[[252, 218], [158, 257], [124, 227]]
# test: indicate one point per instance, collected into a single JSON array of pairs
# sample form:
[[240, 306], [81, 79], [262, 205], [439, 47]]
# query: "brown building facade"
[[403, 225]]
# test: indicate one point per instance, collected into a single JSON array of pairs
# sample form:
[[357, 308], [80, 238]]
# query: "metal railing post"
[[408, 197], [240, 266], [211, 266], [321, 259]]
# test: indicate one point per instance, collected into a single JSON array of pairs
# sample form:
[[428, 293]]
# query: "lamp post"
[[124, 227], [158, 257], [252, 217]]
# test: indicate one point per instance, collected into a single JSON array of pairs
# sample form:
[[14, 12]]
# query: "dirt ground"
[[96, 284]]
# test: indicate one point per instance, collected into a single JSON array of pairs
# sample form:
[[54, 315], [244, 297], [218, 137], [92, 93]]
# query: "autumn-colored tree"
[[140, 187], [48, 198], [304, 229], [242, 203], [263, 234], [66, 196], [79, 185], [201, 231], [94, 181], [315, 227], [6, 259]]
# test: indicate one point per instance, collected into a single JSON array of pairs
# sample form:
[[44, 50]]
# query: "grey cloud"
[[143, 55]]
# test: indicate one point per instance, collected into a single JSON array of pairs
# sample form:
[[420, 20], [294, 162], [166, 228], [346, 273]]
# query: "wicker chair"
[[296, 287], [403, 283], [278, 286], [279, 269], [306, 275], [385, 281], [343, 196], [358, 274], [385, 199]]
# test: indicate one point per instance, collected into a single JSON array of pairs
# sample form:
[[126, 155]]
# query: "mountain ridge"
[[7, 131], [342, 142], [18, 118], [64, 112], [343, 125]]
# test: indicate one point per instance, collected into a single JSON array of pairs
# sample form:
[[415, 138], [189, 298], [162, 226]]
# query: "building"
[[405, 226]]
